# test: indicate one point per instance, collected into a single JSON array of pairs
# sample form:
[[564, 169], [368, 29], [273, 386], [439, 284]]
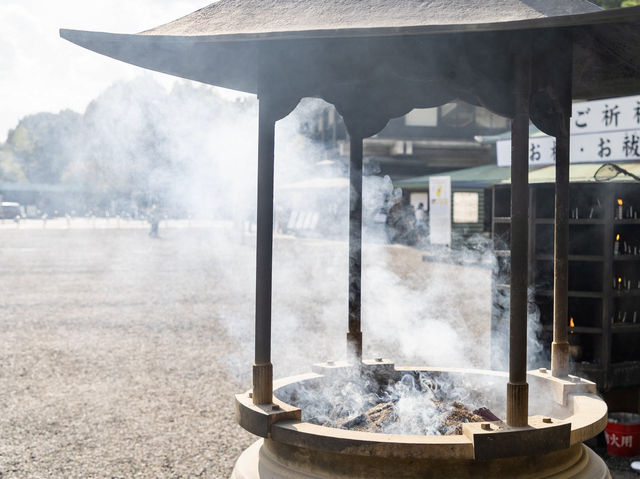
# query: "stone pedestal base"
[[266, 459]]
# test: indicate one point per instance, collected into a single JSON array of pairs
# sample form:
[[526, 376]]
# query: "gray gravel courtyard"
[[109, 357], [120, 354]]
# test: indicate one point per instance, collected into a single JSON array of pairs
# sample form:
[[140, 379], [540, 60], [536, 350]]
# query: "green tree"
[[10, 170], [41, 146], [617, 3], [138, 143]]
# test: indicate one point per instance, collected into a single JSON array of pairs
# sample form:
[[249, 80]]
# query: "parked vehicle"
[[10, 210]]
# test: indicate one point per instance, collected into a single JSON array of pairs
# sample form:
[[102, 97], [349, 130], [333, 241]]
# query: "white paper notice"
[[440, 209], [465, 207]]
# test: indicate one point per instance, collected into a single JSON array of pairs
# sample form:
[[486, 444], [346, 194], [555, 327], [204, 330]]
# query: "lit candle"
[[619, 208], [616, 245], [572, 324]]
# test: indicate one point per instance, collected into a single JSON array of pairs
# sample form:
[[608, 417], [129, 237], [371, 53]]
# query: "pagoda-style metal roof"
[[379, 59], [280, 18]]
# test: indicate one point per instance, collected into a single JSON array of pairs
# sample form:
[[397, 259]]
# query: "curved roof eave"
[[617, 15], [230, 60], [279, 16], [193, 58]]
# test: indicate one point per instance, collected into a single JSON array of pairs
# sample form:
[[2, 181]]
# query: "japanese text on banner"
[[601, 131]]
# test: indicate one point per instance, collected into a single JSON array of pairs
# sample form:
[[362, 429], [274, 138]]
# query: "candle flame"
[[619, 201], [572, 324], [619, 279], [617, 237]]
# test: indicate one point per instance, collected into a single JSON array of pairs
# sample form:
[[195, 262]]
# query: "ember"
[[382, 418], [416, 404]]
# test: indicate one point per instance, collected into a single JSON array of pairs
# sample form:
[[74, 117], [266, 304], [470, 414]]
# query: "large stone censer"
[[375, 60]]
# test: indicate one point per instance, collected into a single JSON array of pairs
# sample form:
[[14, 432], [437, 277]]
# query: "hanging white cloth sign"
[[601, 131]]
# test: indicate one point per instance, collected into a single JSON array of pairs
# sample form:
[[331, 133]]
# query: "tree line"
[[188, 149], [616, 3], [136, 144]]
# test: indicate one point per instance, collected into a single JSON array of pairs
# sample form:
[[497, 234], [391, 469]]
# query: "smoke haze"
[[194, 151]]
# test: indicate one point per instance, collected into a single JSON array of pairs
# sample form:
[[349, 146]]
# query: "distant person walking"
[[154, 220], [421, 216], [422, 227], [401, 222]]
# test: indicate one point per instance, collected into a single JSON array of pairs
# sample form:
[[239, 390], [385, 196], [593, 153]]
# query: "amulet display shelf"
[[604, 271]]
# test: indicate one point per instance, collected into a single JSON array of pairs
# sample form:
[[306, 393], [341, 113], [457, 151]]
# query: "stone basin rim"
[[586, 417]]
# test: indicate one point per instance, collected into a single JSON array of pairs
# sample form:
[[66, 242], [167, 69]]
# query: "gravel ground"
[[109, 358], [120, 355]]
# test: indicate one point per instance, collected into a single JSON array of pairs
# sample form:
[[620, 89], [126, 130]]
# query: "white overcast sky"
[[41, 72]]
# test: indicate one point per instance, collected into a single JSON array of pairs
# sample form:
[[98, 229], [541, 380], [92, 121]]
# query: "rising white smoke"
[[414, 311]]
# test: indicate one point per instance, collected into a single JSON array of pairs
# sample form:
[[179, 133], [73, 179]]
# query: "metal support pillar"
[[517, 388], [354, 334], [262, 367], [560, 345]]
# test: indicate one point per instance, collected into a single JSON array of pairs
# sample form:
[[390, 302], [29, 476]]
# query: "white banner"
[[601, 131], [440, 209]]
